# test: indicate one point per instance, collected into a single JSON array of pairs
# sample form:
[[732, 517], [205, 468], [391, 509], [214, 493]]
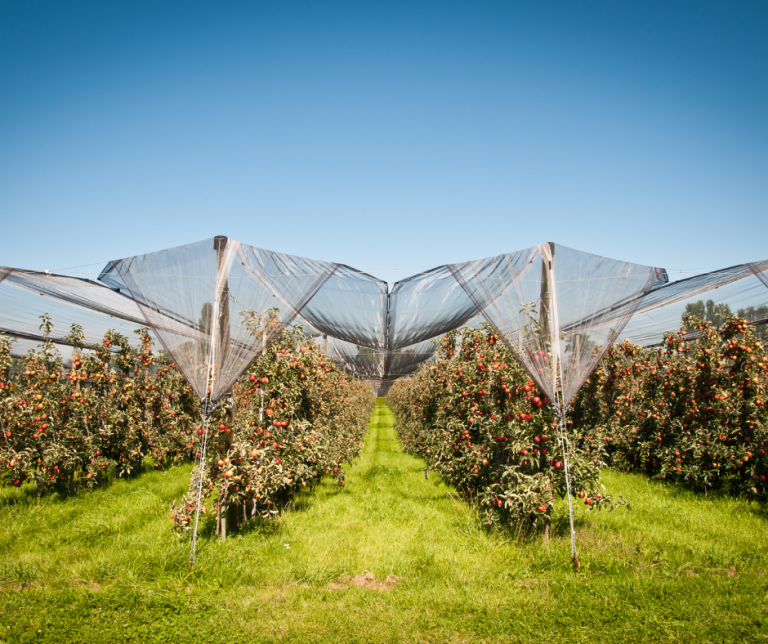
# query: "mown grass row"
[[104, 567]]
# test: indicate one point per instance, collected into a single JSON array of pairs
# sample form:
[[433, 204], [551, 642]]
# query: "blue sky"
[[384, 134]]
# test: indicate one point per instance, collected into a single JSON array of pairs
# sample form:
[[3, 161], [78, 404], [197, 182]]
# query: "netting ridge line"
[[482, 312], [68, 277], [5, 271], [23, 335], [417, 276], [358, 272], [758, 273]]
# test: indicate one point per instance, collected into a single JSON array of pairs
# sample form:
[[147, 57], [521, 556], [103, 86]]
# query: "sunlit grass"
[[104, 567]]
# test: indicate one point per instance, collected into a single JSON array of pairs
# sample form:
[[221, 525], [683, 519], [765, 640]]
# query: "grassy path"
[[103, 567]]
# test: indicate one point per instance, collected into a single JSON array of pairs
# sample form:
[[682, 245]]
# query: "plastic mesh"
[[741, 289], [26, 295], [350, 306], [232, 297], [556, 308], [427, 305]]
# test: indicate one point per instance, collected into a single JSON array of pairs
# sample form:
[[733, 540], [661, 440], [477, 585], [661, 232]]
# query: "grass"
[[104, 567]]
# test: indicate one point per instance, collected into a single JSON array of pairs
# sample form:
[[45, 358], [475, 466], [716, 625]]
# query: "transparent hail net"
[[549, 304], [25, 296], [374, 332], [228, 301], [713, 297], [425, 306]]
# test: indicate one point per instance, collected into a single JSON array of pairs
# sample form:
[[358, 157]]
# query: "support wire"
[[207, 408], [200, 478], [565, 446]]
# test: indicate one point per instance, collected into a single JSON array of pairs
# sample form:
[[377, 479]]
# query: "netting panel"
[[26, 295], [233, 297], [350, 306], [549, 304], [427, 305], [588, 287], [713, 299]]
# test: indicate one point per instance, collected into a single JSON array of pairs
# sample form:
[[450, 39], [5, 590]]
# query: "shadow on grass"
[[680, 492], [27, 495], [382, 471]]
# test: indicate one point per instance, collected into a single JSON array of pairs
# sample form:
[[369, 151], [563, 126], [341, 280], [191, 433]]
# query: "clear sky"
[[384, 134]]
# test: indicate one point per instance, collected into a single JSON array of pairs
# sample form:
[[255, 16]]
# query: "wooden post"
[[578, 353], [545, 323], [222, 323], [546, 295], [325, 345]]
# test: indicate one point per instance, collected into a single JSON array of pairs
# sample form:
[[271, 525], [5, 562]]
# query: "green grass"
[[104, 567]]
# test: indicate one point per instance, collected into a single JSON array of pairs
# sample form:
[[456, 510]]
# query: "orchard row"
[[693, 412], [696, 413], [68, 427], [476, 418], [293, 418]]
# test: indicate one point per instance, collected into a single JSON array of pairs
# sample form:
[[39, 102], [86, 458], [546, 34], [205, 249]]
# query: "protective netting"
[[557, 309], [68, 301], [214, 305], [739, 290], [228, 300]]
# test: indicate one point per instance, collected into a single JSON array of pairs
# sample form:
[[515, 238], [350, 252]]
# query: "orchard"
[[693, 412]]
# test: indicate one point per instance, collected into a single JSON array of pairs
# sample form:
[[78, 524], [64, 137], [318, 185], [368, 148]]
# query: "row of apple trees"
[[293, 418], [476, 418], [72, 426], [65, 426], [695, 412]]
